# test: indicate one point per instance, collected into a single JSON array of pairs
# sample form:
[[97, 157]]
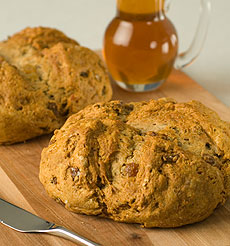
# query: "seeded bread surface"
[[157, 163], [44, 78]]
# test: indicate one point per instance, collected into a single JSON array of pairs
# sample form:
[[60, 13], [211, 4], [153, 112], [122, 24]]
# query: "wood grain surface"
[[19, 184]]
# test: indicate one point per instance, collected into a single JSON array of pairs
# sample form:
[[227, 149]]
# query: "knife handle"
[[67, 234]]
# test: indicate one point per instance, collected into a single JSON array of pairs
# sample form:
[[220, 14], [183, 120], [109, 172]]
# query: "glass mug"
[[141, 44]]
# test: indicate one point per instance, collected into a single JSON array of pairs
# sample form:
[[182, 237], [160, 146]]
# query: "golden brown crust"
[[38, 38], [157, 163], [44, 78]]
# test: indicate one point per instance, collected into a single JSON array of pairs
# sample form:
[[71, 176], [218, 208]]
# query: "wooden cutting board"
[[19, 184]]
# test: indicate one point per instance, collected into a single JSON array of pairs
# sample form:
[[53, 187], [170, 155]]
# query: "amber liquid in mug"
[[140, 44]]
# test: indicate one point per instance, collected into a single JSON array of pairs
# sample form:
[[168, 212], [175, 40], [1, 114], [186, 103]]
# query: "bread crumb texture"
[[157, 163], [44, 78]]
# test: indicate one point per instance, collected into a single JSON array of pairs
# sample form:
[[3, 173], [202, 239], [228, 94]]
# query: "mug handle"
[[187, 57]]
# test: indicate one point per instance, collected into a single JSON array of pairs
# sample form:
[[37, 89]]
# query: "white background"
[[86, 20]]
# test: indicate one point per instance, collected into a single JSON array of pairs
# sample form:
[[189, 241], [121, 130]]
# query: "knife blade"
[[24, 221], [20, 219]]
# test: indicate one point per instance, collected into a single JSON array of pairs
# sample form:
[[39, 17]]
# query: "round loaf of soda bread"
[[44, 78], [157, 163]]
